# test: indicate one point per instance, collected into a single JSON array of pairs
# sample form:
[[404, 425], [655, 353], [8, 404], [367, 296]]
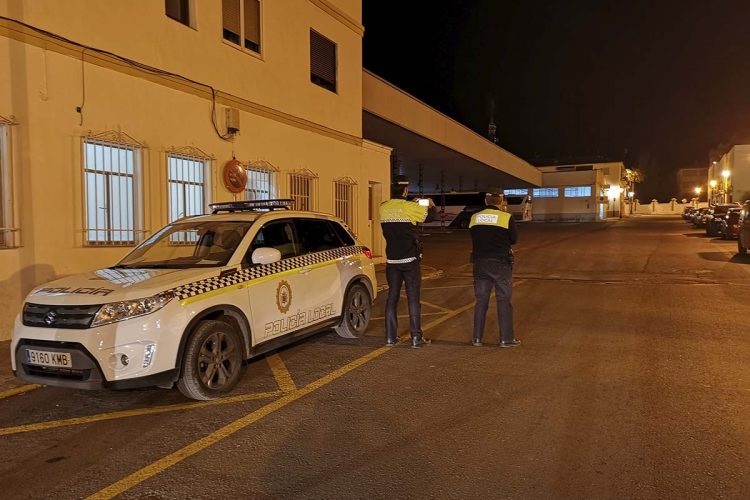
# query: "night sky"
[[658, 84]]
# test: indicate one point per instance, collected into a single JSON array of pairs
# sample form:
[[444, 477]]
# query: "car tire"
[[742, 250], [212, 363], [356, 312]]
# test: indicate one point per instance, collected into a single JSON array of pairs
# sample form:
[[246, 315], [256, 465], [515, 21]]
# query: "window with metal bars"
[[260, 184], [546, 192], [179, 10], [345, 201], [241, 23], [110, 178], [302, 189], [577, 192], [187, 191], [322, 61]]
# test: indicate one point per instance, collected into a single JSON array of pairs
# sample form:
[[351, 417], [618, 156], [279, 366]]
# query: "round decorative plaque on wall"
[[235, 177]]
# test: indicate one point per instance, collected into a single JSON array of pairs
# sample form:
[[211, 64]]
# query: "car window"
[[316, 235], [279, 235], [343, 234]]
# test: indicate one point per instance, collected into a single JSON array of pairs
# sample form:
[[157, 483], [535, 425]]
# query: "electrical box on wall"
[[232, 118]]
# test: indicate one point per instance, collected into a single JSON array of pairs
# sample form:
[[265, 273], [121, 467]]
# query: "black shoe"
[[391, 342], [476, 342], [510, 343], [417, 342]]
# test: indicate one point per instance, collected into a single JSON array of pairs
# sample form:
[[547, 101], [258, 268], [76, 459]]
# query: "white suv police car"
[[195, 300]]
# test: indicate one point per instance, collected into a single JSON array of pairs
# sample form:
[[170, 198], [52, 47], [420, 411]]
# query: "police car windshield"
[[514, 200], [189, 244]]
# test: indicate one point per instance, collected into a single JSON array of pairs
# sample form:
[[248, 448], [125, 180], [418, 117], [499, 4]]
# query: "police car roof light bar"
[[252, 205]]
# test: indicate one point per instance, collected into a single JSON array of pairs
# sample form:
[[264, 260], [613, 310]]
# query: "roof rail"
[[252, 205]]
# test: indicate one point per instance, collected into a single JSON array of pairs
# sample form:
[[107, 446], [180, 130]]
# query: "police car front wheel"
[[356, 312], [212, 364]]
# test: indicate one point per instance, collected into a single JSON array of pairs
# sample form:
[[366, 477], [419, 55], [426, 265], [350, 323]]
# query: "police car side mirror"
[[265, 255]]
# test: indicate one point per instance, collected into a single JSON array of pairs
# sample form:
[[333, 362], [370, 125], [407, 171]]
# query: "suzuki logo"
[[50, 318]]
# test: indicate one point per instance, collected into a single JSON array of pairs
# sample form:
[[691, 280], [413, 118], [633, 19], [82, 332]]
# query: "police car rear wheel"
[[356, 316], [212, 364]]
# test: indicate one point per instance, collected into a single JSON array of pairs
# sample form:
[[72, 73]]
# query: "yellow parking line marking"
[[168, 461], [469, 285], [281, 374], [134, 413], [19, 390], [439, 308], [229, 429], [380, 318]]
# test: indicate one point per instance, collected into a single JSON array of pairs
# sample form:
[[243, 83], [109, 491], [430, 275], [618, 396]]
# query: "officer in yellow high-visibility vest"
[[493, 232], [403, 251]]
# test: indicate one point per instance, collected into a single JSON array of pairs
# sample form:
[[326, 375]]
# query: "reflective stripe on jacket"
[[492, 234], [398, 219]]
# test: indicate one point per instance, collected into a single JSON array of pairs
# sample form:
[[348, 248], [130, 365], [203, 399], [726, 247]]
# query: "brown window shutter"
[[230, 10], [252, 22], [322, 61]]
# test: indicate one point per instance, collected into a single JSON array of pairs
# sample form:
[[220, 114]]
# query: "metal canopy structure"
[[448, 155]]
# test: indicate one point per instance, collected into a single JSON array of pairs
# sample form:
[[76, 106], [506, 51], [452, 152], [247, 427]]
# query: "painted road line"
[[19, 390], [434, 306], [468, 285], [174, 458], [163, 464], [402, 316], [134, 413], [281, 374]]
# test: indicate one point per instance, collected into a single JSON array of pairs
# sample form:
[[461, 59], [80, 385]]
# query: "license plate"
[[47, 358]]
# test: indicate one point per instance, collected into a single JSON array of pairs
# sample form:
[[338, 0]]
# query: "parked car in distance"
[[743, 235], [699, 217], [713, 219], [729, 225], [688, 212]]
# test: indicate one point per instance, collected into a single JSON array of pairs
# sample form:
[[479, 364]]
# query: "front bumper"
[[139, 352]]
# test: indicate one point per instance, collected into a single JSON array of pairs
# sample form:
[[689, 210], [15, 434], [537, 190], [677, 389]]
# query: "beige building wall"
[[737, 163], [287, 122]]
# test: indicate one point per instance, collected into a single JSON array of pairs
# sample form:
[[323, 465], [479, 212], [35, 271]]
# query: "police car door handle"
[[305, 270]]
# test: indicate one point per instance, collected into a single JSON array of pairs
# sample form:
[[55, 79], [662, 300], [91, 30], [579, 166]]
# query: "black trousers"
[[409, 274], [497, 274]]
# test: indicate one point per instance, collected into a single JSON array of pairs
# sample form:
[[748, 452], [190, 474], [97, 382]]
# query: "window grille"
[[546, 193], [10, 236], [241, 22], [322, 61], [261, 181], [345, 201], [111, 164], [187, 186], [516, 192], [302, 189], [179, 10], [578, 192]]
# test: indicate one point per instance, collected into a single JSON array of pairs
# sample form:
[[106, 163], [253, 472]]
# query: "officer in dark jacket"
[[403, 250], [493, 231]]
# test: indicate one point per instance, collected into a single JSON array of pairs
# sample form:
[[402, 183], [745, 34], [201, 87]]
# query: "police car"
[[194, 301]]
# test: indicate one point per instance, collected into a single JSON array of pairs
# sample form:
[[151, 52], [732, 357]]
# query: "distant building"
[[579, 192], [690, 178], [735, 185]]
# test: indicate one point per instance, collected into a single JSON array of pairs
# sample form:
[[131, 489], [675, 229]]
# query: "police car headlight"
[[119, 311]]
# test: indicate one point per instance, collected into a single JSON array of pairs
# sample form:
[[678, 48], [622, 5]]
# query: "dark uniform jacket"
[[492, 234], [399, 219]]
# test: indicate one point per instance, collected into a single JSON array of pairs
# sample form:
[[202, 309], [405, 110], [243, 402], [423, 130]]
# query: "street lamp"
[[630, 195], [711, 186], [725, 174]]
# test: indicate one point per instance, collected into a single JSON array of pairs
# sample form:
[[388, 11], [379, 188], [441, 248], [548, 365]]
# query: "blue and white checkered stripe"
[[217, 282]]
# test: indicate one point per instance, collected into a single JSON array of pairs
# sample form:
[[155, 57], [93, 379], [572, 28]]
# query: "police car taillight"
[[367, 252]]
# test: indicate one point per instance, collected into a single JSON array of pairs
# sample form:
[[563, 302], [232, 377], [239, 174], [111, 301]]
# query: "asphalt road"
[[632, 382]]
